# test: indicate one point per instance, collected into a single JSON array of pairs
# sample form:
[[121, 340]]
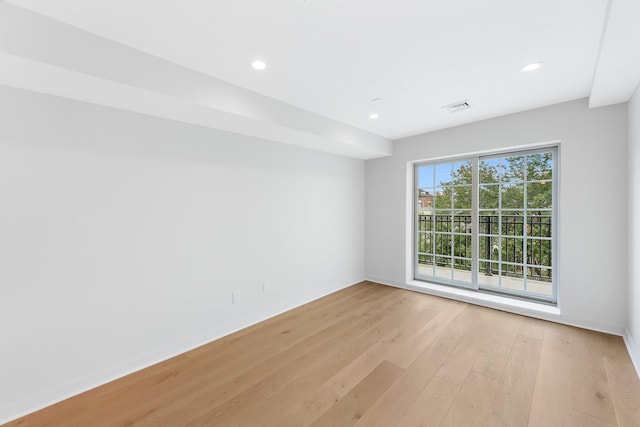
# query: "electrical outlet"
[[266, 286], [235, 297]]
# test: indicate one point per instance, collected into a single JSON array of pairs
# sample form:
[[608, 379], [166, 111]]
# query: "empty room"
[[296, 213]]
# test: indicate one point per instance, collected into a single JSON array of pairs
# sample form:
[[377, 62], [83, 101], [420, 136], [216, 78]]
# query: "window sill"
[[512, 305]]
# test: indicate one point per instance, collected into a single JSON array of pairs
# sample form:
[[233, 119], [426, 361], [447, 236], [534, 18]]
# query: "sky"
[[442, 172]]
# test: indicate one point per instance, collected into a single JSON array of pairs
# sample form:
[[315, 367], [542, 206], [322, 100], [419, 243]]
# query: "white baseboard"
[[47, 398], [531, 309], [633, 349]]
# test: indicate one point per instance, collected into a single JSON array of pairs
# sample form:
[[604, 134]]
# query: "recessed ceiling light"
[[376, 100], [373, 116], [531, 67], [258, 65]]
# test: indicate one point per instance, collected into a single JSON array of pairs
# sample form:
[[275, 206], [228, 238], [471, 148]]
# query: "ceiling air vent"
[[458, 106]]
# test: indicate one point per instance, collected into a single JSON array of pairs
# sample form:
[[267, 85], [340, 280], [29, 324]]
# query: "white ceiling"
[[332, 57]]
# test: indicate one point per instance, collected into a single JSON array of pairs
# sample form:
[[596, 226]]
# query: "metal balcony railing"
[[445, 240]]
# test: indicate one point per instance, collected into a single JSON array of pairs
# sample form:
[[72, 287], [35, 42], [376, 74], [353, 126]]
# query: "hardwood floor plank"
[[400, 396], [378, 328], [493, 358], [466, 354], [625, 387], [580, 419], [20, 422], [512, 401], [598, 344], [590, 391], [613, 347], [551, 403], [497, 350], [533, 328], [431, 405], [354, 404], [472, 405], [403, 352], [470, 316], [311, 407]]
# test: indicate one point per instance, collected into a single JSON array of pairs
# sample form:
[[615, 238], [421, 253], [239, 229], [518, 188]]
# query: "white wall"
[[592, 281], [632, 335], [122, 237]]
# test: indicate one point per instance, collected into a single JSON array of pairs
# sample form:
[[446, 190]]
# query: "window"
[[489, 223]]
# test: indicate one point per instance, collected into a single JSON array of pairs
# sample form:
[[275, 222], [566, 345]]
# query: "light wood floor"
[[376, 356]]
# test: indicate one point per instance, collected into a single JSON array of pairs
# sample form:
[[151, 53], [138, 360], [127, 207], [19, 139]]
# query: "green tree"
[[537, 171], [457, 193]]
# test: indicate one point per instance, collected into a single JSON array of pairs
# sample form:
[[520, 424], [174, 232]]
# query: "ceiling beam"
[[617, 70], [41, 54]]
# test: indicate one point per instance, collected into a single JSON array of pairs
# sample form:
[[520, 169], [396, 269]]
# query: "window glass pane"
[[443, 174], [488, 275], [511, 278], [462, 221], [539, 252], [489, 223], [538, 225], [443, 197], [443, 268], [512, 196], [539, 166], [462, 245], [539, 195], [462, 173], [425, 243], [462, 197], [425, 200], [511, 250], [426, 177], [539, 281], [512, 224], [421, 224], [489, 171], [489, 196], [462, 271], [442, 222], [442, 244], [425, 265], [513, 169]]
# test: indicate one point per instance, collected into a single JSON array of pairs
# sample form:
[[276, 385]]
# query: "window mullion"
[[475, 222], [525, 219], [499, 231]]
